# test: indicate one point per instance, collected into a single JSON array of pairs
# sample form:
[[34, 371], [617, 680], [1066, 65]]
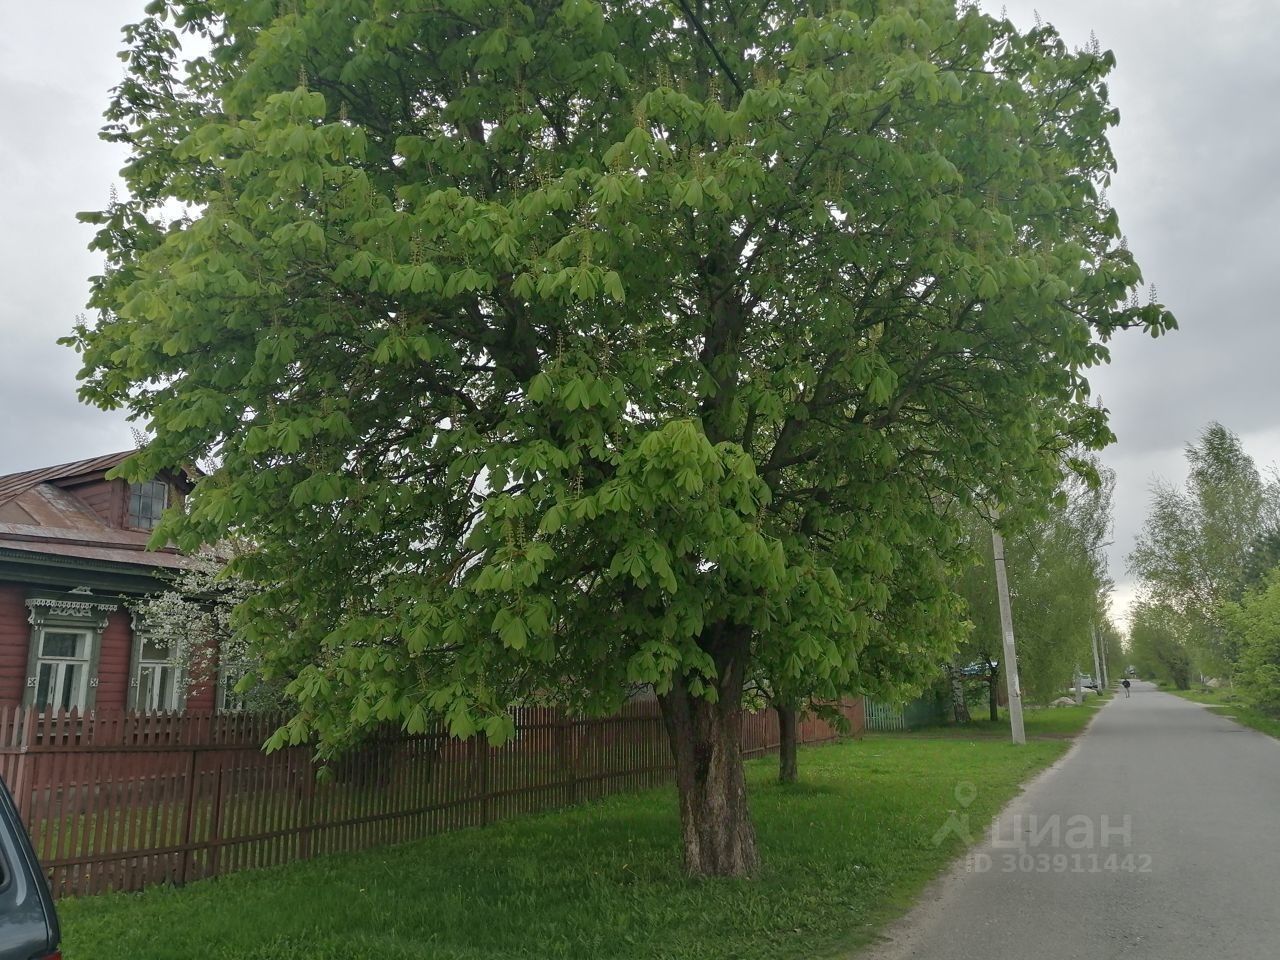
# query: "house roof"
[[62, 546], [49, 520], [15, 484]]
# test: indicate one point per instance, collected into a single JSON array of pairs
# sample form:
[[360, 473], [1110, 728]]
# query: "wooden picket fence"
[[117, 801]]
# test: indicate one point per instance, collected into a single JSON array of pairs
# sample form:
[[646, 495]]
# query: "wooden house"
[[74, 562]]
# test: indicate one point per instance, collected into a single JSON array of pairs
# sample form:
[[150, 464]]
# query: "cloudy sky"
[[1197, 193]]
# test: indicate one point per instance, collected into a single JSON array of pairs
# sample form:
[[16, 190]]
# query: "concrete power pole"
[[1097, 670], [1010, 652], [1102, 655]]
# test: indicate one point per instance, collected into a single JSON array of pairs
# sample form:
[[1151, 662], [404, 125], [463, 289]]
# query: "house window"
[[62, 669], [147, 502], [66, 637], [229, 700], [158, 678]]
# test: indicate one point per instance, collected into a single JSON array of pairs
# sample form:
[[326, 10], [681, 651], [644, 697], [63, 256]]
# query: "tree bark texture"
[[993, 690], [788, 730], [959, 705], [706, 742]]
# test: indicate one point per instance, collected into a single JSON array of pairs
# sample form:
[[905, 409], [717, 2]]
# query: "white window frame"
[[58, 667], [75, 612], [147, 697], [140, 662]]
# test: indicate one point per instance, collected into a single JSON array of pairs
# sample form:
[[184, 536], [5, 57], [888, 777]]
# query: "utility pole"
[[1102, 655], [1097, 670], [1006, 628]]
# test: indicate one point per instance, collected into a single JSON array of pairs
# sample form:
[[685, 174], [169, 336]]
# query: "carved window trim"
[[79, 612]]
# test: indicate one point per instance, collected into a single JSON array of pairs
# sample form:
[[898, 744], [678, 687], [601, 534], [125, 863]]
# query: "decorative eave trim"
[[40, 609]]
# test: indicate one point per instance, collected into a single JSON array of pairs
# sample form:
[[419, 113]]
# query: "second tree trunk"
[[788, 730]]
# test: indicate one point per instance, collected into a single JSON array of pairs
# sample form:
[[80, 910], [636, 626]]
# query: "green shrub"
[[1256, 620]]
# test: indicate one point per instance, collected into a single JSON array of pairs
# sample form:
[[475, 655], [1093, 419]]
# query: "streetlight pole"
[[1006, 629]]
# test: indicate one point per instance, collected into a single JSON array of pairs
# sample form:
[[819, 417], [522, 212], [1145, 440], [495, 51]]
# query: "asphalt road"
[[1167, 845]]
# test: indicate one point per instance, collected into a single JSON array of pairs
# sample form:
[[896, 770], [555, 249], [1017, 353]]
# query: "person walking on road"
[[1125, 683]]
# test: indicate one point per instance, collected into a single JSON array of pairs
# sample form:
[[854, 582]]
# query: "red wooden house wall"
[[15, 641], [107, 498], [113, 663], [115, 667]]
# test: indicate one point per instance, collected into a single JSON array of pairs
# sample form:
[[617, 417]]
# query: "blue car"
[[28, 921]]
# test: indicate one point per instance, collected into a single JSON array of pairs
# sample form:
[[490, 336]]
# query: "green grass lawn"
[[1051, 721], [844, 851], [1222, 701], [1037, 722]]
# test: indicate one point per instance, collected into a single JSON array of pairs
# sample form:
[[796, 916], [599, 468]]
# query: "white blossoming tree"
[[195, 618]]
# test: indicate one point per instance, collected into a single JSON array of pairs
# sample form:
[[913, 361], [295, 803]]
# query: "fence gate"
[[884, 716]]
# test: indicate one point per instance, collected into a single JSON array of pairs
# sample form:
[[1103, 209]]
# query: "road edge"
[[900, 936]]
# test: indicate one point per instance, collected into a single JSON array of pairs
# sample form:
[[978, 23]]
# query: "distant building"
[[73, 560]]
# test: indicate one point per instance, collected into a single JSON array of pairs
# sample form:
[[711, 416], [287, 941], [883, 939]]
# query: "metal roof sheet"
[[13, 484]]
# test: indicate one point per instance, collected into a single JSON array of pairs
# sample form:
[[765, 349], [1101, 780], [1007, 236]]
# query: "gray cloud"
[[57, 62], [1198, 150]]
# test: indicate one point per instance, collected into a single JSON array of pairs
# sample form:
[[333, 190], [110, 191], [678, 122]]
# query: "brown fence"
[[124, 801]]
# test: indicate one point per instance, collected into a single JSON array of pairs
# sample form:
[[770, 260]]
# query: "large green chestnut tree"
[[556, 348]]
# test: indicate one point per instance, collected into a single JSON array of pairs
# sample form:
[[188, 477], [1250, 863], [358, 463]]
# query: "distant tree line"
[[1208, 561]]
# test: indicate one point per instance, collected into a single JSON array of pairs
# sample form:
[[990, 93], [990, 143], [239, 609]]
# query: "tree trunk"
[[788, 725], [958, 704], [706, 743], [993, 689]]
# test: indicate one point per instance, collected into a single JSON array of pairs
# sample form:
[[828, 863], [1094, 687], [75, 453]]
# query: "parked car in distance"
[[28, 922], [1088, 682]]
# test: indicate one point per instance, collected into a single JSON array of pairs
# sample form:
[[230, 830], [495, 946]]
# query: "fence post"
[[308, 804], [565, 755], [215, 819], [25, 774], [189, 829], [480, 759]]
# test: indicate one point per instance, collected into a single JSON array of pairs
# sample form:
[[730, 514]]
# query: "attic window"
[[147, 502]]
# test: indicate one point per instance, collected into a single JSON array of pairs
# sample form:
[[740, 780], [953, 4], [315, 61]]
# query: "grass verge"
[[1227, 704], [844, 851], [1038, 722]]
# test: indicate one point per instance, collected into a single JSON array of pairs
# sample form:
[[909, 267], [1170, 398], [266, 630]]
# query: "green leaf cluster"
[[1203, 546]]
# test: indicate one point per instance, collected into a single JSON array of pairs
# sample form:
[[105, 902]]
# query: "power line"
[[706, 38]]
